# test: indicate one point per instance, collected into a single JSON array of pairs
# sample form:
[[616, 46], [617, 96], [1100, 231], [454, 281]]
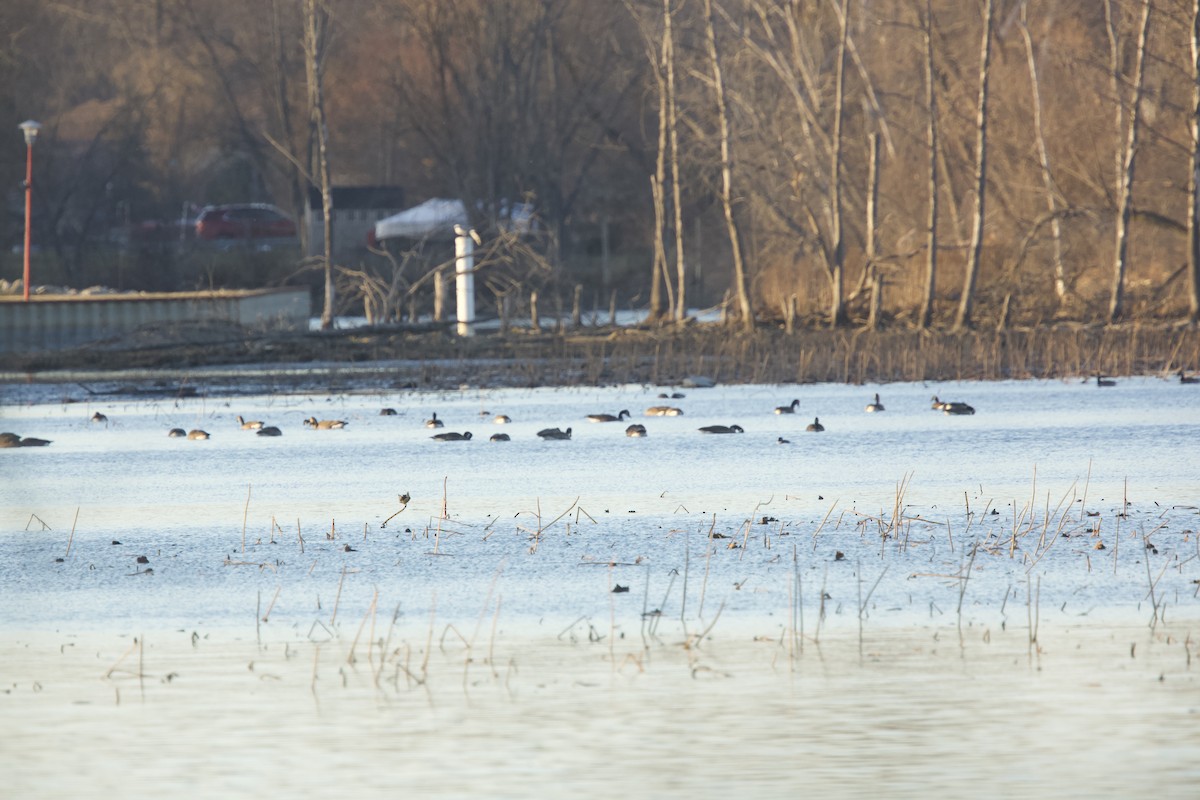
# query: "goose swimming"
[[815, 425], [452, 437], [875, 406], [788, 409], [608, 417], [722, 429], [554, 433]]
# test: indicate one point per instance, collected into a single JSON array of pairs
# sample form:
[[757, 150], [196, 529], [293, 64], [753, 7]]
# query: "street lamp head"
[[30, 129]]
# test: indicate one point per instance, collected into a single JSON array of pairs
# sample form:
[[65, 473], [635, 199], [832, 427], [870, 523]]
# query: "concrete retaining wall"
[[49, 322]]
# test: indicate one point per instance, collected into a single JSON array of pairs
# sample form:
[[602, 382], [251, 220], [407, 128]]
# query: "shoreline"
[[398, 359]]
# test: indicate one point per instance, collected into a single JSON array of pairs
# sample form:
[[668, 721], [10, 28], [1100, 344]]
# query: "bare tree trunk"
[[653, 44], [315, 40], [740, 288], [872, 267], [837, 248], [931, 137], [680, 310], [1060, 276], [1116, 305], [1193, 221], [963, 319]]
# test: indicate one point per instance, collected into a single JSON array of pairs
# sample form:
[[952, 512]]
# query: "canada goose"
[[663, 411], [433, 422], [499, 437], [197, 434], [607, 417], [788, 409], [268, 430], [249, 425], [876, 406], [98, 417], [325, 424], [951, 407], [782, 440], [554, 433], [502, 419], [13, 440], [1102, 381], [387, 412], [815, 425], [177, 433], [635, 431], [722, 429], [1184, 378], [452, 437], [33, 441]]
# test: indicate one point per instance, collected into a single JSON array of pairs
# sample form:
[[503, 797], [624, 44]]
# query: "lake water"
[[838, 582]]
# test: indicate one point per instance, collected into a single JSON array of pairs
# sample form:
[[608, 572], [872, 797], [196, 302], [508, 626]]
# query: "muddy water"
[[1059, 511]]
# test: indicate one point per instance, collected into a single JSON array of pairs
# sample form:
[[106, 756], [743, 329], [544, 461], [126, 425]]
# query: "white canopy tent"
[[436, 219]]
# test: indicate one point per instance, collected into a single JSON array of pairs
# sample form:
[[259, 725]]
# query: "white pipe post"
[[464, 280]]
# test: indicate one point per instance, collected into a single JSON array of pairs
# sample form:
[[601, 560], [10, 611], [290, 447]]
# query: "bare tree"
[[673, 134], [963, 318], [1039, 133], [1127, 153], [1193, 220], [925, 316], [316, 40], [741, 291]]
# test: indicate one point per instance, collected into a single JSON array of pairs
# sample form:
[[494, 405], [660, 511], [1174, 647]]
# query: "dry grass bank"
[[661, 356]]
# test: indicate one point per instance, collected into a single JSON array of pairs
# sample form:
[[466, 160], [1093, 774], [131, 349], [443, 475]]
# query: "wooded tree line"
[[928, 162]]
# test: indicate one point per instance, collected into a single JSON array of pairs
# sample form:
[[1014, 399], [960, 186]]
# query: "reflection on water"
[[1055, 505], [1090, 712]]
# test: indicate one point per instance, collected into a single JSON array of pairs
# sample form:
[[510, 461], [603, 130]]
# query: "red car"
[[244, 221]]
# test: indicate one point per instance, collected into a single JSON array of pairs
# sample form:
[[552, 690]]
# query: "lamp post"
[[30, 129]]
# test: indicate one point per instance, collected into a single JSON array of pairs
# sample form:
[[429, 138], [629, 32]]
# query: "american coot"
[[636, 431], [554, 433], [722, 429], [608, 417], [876, 406], [815, 425], [452, 437], [788, 409], [663, 411], [325, 424]]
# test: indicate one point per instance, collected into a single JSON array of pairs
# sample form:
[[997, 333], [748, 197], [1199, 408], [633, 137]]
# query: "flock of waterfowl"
[[634, 430]]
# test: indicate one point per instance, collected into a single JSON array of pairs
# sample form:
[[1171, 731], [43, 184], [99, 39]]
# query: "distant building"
[[356, 209]]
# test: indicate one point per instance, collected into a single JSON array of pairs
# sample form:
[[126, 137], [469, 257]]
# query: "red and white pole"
[[30, 128]]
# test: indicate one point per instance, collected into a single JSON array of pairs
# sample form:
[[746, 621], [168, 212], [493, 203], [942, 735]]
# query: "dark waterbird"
[[554, 433], [452, 437], [607, 417], [815, 425], [788, 409], [722, 429], [875, 406]]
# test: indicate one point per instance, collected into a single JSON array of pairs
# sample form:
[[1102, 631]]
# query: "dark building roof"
[[360, 197]]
